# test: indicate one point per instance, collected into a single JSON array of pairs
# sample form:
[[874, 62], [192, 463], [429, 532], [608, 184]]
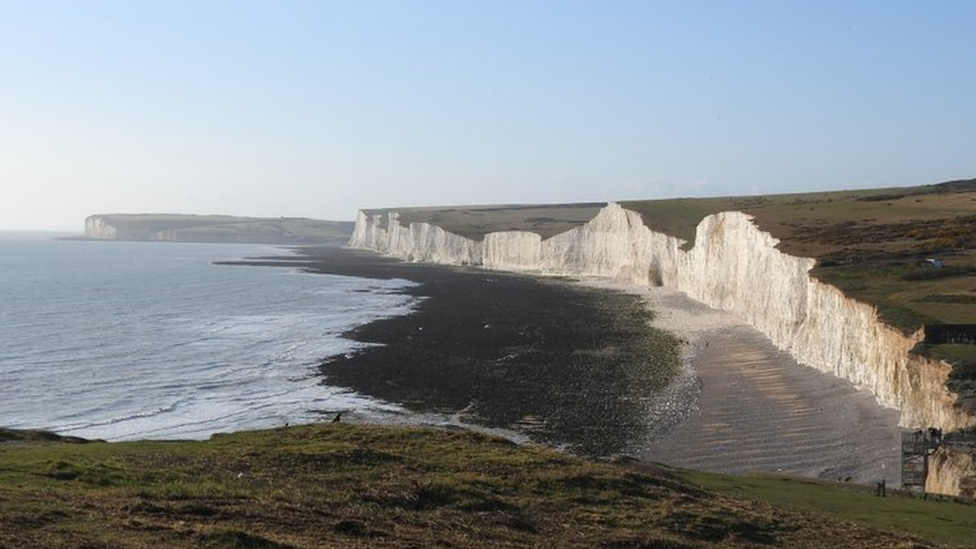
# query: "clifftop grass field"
[[339, 485], [475, 222]]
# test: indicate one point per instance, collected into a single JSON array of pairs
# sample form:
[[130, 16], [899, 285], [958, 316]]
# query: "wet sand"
[[757, 409]]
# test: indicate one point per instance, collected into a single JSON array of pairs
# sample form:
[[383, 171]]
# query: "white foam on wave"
[[185, 350]]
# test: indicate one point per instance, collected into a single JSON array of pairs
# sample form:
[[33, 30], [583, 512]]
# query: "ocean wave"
[[151, 340]]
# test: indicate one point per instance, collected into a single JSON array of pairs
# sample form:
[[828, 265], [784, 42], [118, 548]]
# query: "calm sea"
[[123, 340]]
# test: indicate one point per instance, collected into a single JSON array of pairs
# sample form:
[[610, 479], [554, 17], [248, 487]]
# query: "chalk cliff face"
[[733, 266], [420, 242], [96, 227]]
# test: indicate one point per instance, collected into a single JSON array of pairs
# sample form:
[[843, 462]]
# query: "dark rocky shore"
[[567, 365]]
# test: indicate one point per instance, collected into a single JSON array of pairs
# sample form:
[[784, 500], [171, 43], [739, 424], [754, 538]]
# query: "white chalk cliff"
[[97, 227], [733, 266]]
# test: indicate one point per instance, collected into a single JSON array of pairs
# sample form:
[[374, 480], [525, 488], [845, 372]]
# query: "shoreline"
[[734, 404], [757, 409], [550, 360]]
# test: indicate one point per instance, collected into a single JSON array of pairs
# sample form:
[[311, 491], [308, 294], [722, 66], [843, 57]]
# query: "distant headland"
[[216, 228]]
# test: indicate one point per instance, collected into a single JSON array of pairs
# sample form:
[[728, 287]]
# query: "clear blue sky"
[[318, 108]]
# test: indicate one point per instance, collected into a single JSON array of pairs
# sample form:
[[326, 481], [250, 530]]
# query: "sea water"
[[126, 340]]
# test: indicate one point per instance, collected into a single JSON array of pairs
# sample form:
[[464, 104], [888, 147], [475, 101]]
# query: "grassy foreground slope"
[[338, 485]]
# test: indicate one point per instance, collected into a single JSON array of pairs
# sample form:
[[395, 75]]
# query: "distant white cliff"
[[733, 266], [216, 228], [97, 227]]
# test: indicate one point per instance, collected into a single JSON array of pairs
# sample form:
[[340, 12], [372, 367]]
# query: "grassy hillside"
[[339, 485], [828, 223], [224, 228]]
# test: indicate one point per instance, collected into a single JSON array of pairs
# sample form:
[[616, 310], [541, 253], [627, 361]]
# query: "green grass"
[[475, 222], [963, 358], [906, 294], [355, 486], [944, 522]]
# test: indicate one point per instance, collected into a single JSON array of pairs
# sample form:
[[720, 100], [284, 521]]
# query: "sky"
[[320, 108]]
